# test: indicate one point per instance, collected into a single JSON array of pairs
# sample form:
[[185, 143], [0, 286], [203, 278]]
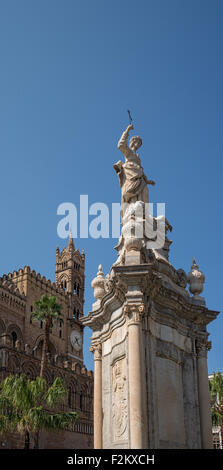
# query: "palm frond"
[[26, 405]]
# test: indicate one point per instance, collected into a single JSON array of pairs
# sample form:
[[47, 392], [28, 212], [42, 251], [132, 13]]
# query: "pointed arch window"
[[14, 338], [81, 401]]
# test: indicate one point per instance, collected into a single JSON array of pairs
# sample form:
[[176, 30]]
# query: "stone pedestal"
[[151, 382]]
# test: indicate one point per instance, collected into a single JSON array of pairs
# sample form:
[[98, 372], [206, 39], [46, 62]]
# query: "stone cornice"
[[184, 307], [149, 283]]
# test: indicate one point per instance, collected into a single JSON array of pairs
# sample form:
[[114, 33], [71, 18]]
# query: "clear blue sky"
[[69, 72]]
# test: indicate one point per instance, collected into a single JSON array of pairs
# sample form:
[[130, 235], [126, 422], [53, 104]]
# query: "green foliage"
[[46, 310], [216, 392], [26, 406], [47, 307]]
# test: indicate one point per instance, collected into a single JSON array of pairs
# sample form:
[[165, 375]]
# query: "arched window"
[[72, 397], [14, 338], [69, 397], [81, 401], [74, 313], [40, 349]]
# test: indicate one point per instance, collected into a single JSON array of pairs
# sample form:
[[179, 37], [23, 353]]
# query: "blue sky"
[[69, 72]]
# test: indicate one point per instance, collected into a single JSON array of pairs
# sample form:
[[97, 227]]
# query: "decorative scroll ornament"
[[202, 347], [134, 312], [117, 284], [96, 349]]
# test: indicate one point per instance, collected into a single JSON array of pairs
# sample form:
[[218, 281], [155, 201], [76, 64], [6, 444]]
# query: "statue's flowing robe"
[[132, 179]]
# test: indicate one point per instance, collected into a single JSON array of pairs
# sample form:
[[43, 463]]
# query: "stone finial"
[[98, 284], [195, 279]]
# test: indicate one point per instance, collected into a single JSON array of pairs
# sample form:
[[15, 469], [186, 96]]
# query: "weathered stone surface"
[[152, 333]]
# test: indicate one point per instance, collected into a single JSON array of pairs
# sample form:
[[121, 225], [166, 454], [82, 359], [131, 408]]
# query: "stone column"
[[204, 396], [97, 349], [136, 421]]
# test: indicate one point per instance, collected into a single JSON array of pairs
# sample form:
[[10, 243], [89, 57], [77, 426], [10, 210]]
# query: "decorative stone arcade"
[[149, 337]]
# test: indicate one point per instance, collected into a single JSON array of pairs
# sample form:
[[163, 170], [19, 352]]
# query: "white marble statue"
[[132, 178]]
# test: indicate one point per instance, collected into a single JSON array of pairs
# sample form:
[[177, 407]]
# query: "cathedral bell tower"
[[70, 268]]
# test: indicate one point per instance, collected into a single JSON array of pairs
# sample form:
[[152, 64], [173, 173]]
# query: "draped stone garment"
[[134, 181], [132, 178]]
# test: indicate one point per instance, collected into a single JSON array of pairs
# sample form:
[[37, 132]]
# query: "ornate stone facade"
[[151, 379], [21, 341]]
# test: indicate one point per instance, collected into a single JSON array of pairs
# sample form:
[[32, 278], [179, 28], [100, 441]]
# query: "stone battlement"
[[27, 274], [26, 351], [11, 296]]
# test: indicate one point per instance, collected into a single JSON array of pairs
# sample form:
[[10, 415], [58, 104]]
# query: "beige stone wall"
[[18, 292], [170, 404]]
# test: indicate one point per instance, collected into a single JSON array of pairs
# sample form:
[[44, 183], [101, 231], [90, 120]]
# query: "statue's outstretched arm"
[[123, 142]]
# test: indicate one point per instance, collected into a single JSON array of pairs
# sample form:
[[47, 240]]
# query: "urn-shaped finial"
[[195, 279], [98, 284]]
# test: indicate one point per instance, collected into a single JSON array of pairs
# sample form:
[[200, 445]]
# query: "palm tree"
[[216, 392], [46, 310], [26, 406]]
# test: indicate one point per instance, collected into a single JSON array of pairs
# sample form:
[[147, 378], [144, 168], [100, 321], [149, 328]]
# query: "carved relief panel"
[[119, 400]]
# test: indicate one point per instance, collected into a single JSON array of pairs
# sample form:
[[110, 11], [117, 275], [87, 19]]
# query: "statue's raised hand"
[[130, 127]]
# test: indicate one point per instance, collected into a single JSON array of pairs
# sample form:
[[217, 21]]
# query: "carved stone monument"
[[149, 339]]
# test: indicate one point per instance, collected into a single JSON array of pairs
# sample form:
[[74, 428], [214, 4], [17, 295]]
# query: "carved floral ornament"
[[134, 312], [117, 284], [96, 349], [202, 347]]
